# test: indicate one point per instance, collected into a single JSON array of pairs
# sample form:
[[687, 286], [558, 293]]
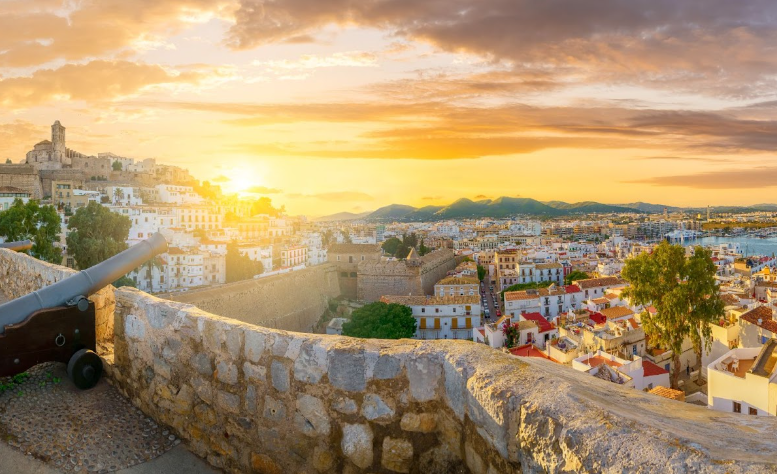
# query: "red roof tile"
[[650, 369], [598, 318], [542, 323], [528, 350]]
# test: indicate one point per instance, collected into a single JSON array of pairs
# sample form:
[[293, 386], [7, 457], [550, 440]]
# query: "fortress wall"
[[253, 399], [22, 176], [291, 301], [416, 277], [21, 274]]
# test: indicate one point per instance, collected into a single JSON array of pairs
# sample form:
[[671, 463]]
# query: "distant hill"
[[342, 216], [496, 208], [651, 208]]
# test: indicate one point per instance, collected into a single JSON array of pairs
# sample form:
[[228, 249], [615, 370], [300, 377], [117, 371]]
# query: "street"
[[490, 304]]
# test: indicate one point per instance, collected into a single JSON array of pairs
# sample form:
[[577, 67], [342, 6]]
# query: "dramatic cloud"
[[35, 32], [263, 190], [758, 177], [17, 138], [94, 81], [726, 45]]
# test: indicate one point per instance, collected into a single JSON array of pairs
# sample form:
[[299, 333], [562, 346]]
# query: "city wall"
[[23, 177], [405, 277], [291, 301], [254, 399]]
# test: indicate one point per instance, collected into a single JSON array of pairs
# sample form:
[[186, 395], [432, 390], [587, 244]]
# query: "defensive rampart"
[[254, 399], [291, 301]]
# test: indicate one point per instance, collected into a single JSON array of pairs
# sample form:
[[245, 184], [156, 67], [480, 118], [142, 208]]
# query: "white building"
[[743, 381], [9, 194], [258, 253], [638, 373], [174, 194], [457, 286], [442, 318]]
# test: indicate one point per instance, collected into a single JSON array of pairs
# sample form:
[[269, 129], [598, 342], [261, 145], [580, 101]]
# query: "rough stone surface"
[[519, 415], [374, 408], [357, 444], [311, 417], [397, 454]]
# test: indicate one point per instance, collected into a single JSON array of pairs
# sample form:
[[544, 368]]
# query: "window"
[[362, 258], [350, 259], [752, 411], [737, 407], [634, 349]]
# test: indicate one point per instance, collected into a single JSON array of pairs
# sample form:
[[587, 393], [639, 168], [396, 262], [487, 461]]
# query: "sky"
[[349, 105]]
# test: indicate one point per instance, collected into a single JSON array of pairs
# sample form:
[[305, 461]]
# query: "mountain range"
[[509, 206]]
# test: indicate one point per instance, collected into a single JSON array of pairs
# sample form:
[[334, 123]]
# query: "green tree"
[[116, 165], [527, 286], [391, 245], [34, 222], [402, 251], [96, 234], [423, 249], [346, 236], [575, 275], [8, 161], [684, 293], [240, 267], [410, 240], [481, 272], [381, 321]]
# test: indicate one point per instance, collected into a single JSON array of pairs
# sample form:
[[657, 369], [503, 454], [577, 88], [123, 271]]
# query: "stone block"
[[424, 376], [418, 422], [274, 410], [226, 372], [227, 401], [345, 405], [254, 345], [474, 461], [357, 444], [263, 464], [254, 373], [374, 408], [397, 454], [346, 370], [387, 367], [134, 328], [323, 460], [203, 389], [311, 417], [280, 376], [310, 365], [234, 342]]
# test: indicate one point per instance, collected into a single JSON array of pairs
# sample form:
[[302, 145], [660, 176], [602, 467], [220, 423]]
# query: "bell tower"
[[59, 152]]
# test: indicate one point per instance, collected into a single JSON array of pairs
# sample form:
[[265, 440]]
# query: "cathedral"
[[53, 155]]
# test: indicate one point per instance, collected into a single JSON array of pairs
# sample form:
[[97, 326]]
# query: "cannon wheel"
[[85, 368]]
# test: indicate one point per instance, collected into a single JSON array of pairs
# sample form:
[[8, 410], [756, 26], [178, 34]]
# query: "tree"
[[380, 320], [8, 161], [346, 236], [402, 251], [575, 275], [391, 245], [239, 266], [116, 165], [481, 272], [96, 234], [423, 249], [118, 194], [527, 286], [34, 222], [683, 292]]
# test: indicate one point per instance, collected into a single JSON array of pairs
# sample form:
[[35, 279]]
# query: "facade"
[[294, 255], [414, 276], [449, 317], [175, 194], [457, 286], [743, 381], [9, 194], [347, 258], [637, 373]]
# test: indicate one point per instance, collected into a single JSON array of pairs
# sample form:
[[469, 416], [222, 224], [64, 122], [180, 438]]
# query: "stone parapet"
[[255, 399], [21, 274]]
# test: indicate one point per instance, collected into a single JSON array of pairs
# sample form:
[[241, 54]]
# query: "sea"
[[748, 245]]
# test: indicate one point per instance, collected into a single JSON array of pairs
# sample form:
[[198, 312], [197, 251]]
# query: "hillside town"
[[548, 288]]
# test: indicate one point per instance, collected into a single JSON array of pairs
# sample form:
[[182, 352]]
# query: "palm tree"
[[149, 265]]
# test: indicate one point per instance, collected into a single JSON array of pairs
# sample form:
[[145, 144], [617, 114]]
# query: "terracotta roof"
[[520, 295], [616, 312], [650, 369], [600, 300], [572, 289], [598, 318], [596, 361], [430, 300], [544, 266], [597, 282], [354, 248], [528, 350], [454, 280], [669, 393], [765, 314], [543, 323]]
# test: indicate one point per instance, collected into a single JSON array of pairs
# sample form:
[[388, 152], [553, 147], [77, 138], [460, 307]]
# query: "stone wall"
[[253, 399], [21, 274], [291, 301], [22, 176], [404, 277]]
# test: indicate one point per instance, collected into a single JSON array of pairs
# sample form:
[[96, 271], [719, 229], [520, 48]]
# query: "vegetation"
[[34, 222], [263, 205], [423, 249], [575, 275], [116, 165], [481, 272], [240, 267], [401, 248], [527, 286], [684, 293], [727, 226], [96, 234], [381, 321], [391, 245], [8, 161]]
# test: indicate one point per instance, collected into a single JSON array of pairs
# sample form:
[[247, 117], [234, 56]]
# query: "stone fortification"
[[253, 399], [21, 274], [291, 301], [23, 177], [415, 276]]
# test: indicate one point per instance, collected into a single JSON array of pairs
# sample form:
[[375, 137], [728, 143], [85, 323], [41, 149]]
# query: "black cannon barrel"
[[83, 283], [17, 246]]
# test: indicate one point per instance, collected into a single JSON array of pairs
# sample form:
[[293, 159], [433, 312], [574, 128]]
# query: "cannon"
[[17, 246], [57, 322]]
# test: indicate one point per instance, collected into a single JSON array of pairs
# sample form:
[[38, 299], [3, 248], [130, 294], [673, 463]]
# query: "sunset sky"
[[348, 105]]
